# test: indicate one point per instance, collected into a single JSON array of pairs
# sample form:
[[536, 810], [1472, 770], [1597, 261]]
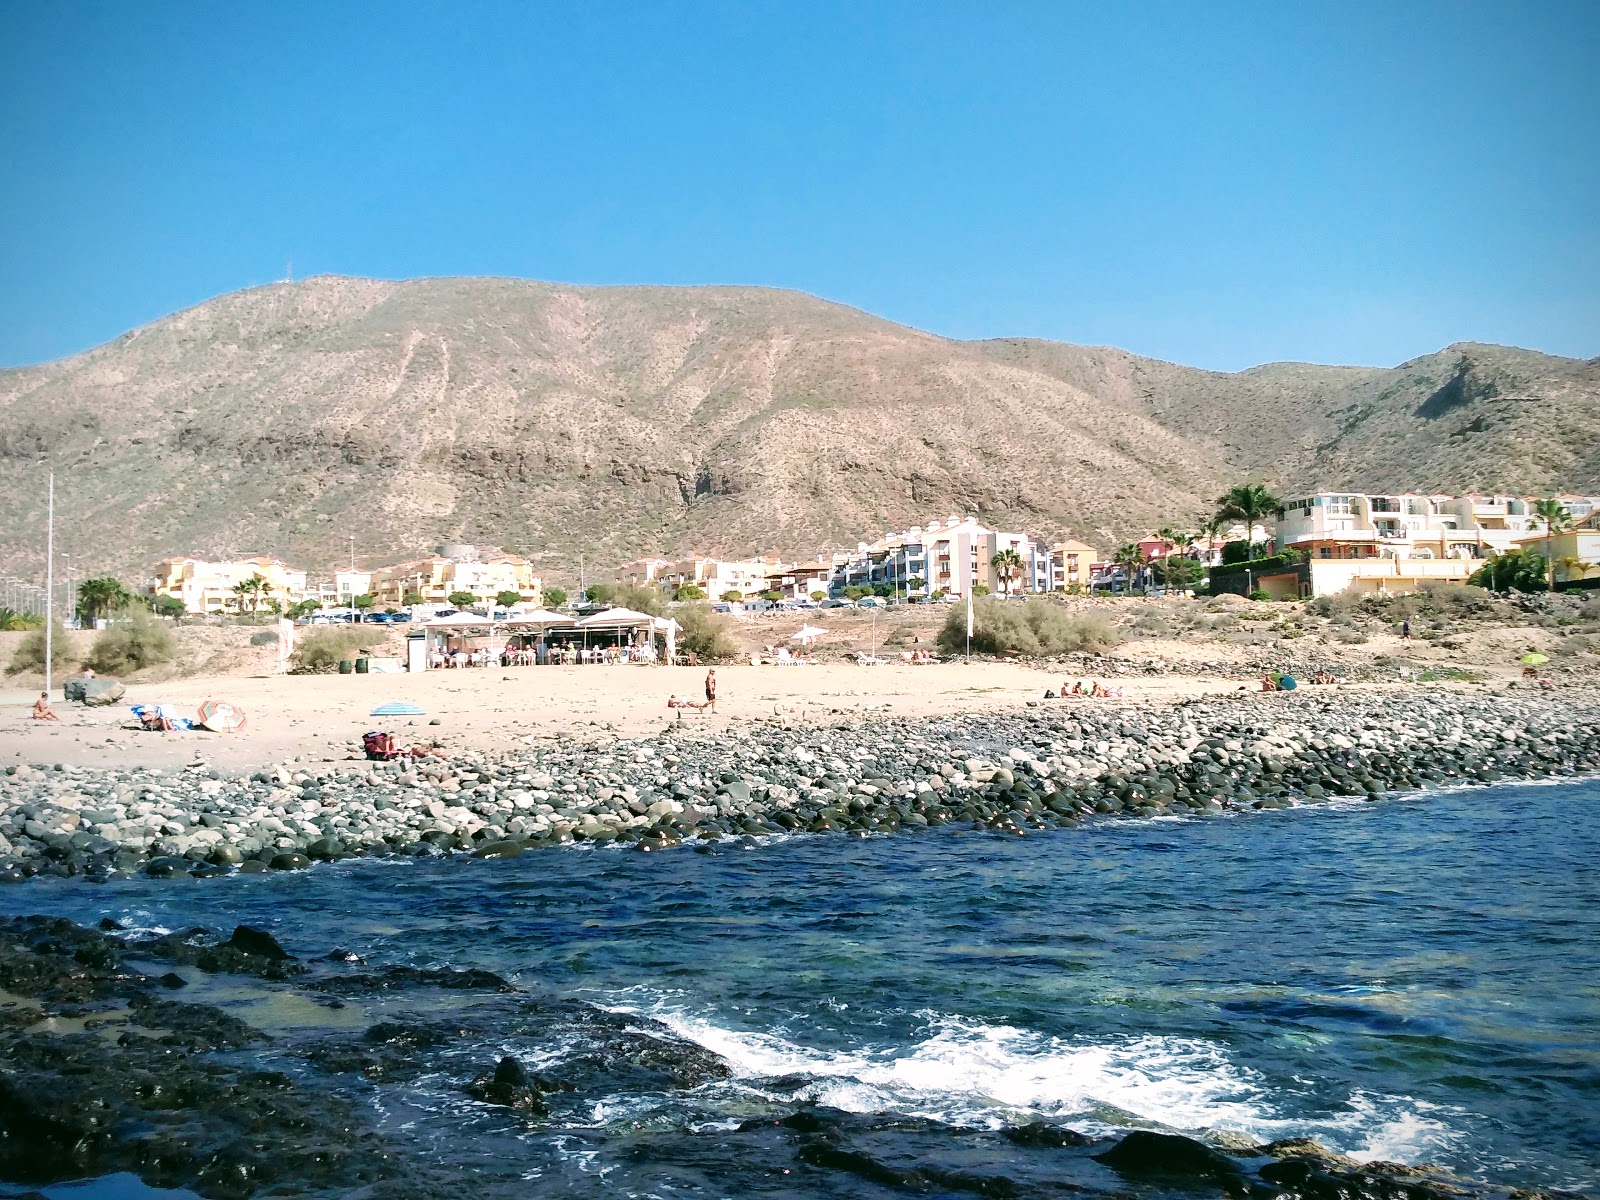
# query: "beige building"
[[436, 579], [211, 587], [342, 589], [717, 576]]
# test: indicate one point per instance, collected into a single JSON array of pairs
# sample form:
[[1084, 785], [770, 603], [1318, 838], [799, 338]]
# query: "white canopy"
[[460, 620], [617, 618], [537, 616], [807, 633]]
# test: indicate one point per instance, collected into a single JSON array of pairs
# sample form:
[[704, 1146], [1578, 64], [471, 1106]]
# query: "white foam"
[[973, 1073]]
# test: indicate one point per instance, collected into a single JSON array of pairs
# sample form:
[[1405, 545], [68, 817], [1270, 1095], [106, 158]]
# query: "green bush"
[[30, 651], [704, 634], [324, 649], [135, 639], [690, 591], [1035, 626], [554, 597]]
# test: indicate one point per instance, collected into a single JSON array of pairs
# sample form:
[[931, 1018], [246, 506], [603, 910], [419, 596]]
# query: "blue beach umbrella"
[[1286, 683], [398, 708]]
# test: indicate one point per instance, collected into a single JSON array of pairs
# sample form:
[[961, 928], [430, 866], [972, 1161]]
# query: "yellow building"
[[1576, 553], [437, 579], [212, 587], [1070, 563]]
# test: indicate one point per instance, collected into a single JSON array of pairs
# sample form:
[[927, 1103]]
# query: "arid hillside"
[[557, 420]]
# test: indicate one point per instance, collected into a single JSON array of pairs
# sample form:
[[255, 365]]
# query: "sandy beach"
[[316, 717]]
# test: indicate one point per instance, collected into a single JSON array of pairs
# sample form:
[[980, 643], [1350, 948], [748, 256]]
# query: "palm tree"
[[1130, 559], [263, 589], [100, 598], [1250, 503], [241, 592], [1007, 566], [1212, 528], [1556, 520]]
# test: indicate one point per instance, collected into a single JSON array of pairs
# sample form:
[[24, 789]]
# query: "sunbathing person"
[[42, 710]]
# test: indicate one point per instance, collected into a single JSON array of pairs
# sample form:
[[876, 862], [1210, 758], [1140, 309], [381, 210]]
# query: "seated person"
[[379, 747], [42, 710]]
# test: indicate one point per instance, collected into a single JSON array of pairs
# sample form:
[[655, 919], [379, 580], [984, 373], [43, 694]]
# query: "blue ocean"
[[1415, 980]]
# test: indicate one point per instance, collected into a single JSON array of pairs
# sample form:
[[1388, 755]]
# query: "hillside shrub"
[[30, 651], [263, 637], [324, 649], [135, 639], [704, 634], [1036, 626]]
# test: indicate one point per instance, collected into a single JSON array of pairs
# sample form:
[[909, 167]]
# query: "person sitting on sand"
[[1269, 683], [42, 710]]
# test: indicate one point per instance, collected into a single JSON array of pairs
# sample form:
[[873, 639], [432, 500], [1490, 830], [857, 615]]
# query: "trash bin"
[[346, 666], [363, 666]]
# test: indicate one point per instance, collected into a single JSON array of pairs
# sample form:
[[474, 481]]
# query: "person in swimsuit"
[[711, 689], [42, 710]]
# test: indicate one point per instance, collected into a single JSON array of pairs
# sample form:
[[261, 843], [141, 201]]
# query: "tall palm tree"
[[241, 592], [1250, 503], [100, 598], [1007, 566], [1129, 557], [1556, 520], [263, 590]]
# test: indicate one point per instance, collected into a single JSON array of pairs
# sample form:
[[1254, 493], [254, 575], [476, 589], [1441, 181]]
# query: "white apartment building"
[[208, 587], [1398, 542]]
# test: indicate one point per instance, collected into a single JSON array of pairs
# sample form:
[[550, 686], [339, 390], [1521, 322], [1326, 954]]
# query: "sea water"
[[1414, 980]]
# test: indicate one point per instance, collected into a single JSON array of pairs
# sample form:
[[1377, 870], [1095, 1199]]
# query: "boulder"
[[100, 693]]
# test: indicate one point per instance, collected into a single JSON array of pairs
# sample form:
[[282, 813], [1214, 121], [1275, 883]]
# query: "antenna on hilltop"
[[288, 273]]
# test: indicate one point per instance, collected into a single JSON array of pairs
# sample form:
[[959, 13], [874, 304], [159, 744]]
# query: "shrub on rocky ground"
[[324, 649], [264, 637], [30, 652], [134, 639], [704, 634], [1034, 626]]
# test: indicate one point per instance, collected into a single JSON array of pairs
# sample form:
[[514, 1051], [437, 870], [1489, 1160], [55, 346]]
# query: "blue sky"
[[1217, 184]]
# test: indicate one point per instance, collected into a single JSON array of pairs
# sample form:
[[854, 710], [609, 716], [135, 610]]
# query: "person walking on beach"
[[711, 689]]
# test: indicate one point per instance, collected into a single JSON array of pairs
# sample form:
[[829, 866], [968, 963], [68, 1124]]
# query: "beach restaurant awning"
[[537, 618], [618, 618], [459, 620]]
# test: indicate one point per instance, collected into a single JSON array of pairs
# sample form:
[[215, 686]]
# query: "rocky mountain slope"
[[555, 420]]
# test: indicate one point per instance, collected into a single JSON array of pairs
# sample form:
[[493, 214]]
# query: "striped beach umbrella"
[[221, 717], [398, 708]]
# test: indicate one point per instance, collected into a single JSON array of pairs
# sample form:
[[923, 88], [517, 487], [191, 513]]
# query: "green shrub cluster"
[[135, 639], [30, 651], [324, 649], [1035, 626], [704, 634]]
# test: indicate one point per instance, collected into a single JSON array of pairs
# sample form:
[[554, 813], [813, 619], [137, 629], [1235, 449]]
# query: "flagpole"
[[969, 621], [49, 582]]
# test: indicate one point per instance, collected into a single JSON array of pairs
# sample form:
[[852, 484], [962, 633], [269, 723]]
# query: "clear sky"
[[1219, 184]]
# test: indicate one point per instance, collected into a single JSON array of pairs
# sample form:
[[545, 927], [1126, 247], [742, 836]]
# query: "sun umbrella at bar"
[[221, 717], [1533, 660]]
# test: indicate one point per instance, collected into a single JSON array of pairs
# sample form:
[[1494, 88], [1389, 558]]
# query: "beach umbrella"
[[1533, 660], [1286, 683], [398, 708], [807, 634], [221, 717]]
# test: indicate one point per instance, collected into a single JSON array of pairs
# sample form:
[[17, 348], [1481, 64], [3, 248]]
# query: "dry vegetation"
[[628, 420]]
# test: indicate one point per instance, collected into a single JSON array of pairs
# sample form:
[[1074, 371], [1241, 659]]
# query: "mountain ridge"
[[560, 419]]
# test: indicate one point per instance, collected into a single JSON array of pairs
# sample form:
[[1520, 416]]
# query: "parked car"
[[399, 618], [831, 603], [872, 602]]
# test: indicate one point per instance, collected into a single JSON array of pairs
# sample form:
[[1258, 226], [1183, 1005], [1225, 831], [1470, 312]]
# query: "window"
[[1338, 506]]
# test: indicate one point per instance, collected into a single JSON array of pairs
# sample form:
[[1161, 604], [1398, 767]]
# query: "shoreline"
[[1048, 765]]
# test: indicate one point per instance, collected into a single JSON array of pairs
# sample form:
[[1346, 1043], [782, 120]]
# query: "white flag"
[[969, 612]]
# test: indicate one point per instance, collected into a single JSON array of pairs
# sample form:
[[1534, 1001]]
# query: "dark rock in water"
[[226, 856], [501, 849], [398, 978], [252, 866], [344, 956], [166, 866], [508, 1086], [1144, 1152], [250, 940], [324, 849], [107, 925], [1042, 1133], [173, 980], [289, 862]]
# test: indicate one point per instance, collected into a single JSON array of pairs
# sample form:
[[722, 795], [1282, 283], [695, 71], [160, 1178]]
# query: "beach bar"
[[608, 635]]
